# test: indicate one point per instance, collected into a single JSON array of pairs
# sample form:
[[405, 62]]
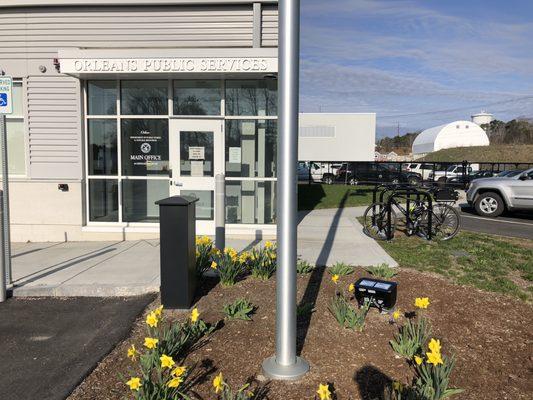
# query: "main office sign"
[[169, 65]]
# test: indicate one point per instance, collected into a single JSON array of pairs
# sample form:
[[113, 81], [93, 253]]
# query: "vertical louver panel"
[[269, 28]]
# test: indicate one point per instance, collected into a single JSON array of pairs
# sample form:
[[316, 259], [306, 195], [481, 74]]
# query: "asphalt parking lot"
[[49, 345], [516, 224]]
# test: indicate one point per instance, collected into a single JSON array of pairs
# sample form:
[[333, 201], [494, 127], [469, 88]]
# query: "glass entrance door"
[[196, 157]]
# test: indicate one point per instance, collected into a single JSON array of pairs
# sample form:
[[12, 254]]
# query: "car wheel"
[[353, 181], [328, 180], [414, 181], [489, 204]]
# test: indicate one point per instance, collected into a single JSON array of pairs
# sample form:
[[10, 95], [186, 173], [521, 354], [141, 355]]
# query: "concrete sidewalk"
[[129, 268]]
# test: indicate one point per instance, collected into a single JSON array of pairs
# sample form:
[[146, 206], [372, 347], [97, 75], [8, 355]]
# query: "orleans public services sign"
[[168, 65]]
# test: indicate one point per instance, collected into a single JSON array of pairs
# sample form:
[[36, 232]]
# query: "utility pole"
[[285, 364]]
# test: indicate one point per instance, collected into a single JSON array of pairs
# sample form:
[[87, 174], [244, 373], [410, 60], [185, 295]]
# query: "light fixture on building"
[[62, 187], [378, 293], [271, 76], [42, 68]]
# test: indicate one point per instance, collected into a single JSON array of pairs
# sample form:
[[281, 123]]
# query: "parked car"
[[492, 196], [320, 172], [510, 173], [452, 171], [424, 169], [355, 173], [461, 180]]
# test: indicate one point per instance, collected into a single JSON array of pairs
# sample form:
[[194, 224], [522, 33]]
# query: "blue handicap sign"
[[3, 99]]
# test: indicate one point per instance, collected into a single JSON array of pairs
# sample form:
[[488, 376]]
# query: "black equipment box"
[[380, 294]]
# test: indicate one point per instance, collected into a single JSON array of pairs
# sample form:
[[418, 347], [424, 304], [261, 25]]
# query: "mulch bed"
[[489, 334]]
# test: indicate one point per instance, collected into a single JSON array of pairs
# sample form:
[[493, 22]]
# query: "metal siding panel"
[[37, 33], [54, 129]]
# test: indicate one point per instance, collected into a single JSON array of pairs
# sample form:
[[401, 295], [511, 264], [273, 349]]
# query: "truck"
[[452, 171]]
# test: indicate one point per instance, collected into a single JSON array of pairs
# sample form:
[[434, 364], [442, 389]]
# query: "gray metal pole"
[[6, 243], [285, 364], [3, 294], [220, 212]]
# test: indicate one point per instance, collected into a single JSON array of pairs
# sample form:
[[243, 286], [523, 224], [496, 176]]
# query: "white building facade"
[[454, 134], [121, 103], [337, 137]]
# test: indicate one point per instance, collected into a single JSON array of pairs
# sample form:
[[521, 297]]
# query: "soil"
[[489, 334]]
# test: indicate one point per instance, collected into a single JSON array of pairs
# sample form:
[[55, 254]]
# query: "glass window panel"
[[251, 202], [102, 97], [102, 147], [16, 149], [17, 100], [139, 197], [144, 97], [103, 200], [197, 97], [196, 153], [251, 148], [144, 147], [252, 97], [204, 205]]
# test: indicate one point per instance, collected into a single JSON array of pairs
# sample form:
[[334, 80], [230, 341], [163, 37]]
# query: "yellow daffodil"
[[214, 265], [159, 311], [351, 288], [194, 315], [269, 244], [396, 385], [174, 382], [418, 360], [166, 361], [179, 371], [134, 383], [335, 278], [396, 314], [249, 394], [152, 320], [434, 358], [132, 352], [323, 392], [422, 302], [434, 345], [218, 383], [150, 343]]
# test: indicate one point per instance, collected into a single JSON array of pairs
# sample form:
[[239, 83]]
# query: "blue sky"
[[420, 63]]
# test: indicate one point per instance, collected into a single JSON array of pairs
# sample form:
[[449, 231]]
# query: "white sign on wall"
[[166, 65], [6, 104]]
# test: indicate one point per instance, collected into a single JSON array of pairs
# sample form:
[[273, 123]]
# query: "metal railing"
[[455, 174]]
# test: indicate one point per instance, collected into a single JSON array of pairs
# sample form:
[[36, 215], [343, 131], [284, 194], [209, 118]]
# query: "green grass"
[[488, 262], [494, 153], [315, 196]]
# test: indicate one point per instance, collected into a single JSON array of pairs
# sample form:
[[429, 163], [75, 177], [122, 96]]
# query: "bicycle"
[[444, 219]]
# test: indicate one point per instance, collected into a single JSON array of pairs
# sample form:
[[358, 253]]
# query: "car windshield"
[[503, 173], [451, 168], [514, 173]]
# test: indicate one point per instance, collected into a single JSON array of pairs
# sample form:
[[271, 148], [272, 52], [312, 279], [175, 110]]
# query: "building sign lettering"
[[155, 65]]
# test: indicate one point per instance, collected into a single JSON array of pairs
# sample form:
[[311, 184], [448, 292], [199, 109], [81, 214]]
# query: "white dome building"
[[454, 134]]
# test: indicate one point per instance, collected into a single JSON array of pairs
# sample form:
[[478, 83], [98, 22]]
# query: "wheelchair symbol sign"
[[5, 95]]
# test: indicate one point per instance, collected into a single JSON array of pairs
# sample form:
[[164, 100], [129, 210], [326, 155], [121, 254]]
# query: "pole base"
[[275, 371]]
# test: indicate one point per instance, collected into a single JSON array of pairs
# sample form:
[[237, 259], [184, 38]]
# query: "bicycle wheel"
[[445, 223], [375, 222]]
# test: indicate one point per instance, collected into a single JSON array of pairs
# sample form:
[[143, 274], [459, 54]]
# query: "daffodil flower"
[[434, 345], [175, 382], [134, 383], [152, 320], [396, 314], [218, 383], [179, 371], [150, 343], [166, 361], [434, 358], [418, 360], [194, 315], [323, 392], [422, 302], [351, 288], [132, 352], [335, 278]]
